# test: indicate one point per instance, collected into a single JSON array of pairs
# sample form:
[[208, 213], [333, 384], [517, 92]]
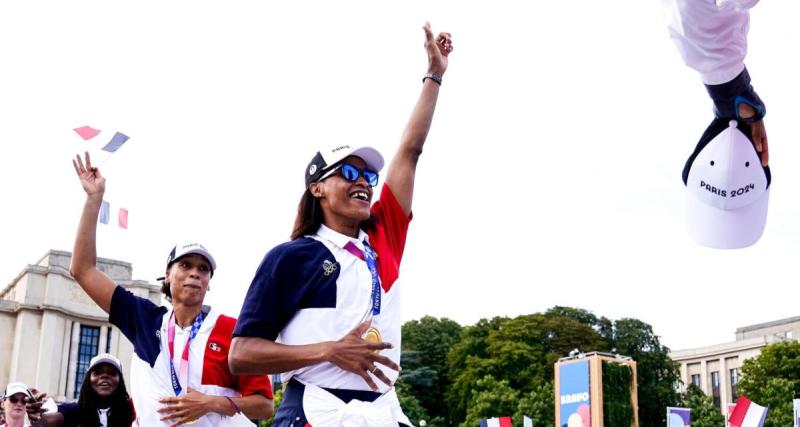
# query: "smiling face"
[[188, 278], [104, 379], [345, 204], [14, 406]]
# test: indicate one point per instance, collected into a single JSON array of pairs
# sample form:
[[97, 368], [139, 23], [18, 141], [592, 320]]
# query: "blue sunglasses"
[[351, 173]]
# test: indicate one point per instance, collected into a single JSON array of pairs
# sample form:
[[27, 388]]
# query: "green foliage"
[[538, 405], [411, 406], [490, 398], [617, 405], [773, 378], [657, 375], [426, 343], [704, 412], [443, 363]]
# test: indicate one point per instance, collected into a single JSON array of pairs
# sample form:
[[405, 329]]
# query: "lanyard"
[[369, 256], [184, 368]]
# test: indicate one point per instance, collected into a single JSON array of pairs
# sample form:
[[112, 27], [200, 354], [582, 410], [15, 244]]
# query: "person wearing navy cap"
[[323, 309]]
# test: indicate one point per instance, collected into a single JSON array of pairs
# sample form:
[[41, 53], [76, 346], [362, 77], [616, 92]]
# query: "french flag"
[[496, 422], [747, 414]]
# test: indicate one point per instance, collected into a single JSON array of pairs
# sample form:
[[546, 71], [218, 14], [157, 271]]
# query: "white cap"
[[183, 249], [17, 387], [728, 190], [329, 157], [106, 358]]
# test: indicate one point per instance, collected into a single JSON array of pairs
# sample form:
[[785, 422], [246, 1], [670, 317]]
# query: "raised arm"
[[402, 169], [84, 255], [711, 38]]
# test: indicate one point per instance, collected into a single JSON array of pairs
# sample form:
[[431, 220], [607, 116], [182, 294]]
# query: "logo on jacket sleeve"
[[214, 347], [328, 267]]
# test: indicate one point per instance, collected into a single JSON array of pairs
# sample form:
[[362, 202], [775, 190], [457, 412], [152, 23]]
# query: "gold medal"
[[373, 335]]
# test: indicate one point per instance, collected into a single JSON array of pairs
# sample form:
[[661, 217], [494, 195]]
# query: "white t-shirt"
[[102, 414]]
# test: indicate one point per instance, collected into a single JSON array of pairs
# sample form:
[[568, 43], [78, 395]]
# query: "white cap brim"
[[726, 229], [371, 157], [16, 388]]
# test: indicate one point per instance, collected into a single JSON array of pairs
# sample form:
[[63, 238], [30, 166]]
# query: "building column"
[[704, 378], [72, 370], [684, 376], [725, 390], [63, 373]]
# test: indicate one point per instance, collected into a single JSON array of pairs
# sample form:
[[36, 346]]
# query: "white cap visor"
[[726, 229]]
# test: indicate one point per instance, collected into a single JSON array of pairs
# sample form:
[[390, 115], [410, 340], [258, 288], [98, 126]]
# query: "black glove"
[[728, 96]]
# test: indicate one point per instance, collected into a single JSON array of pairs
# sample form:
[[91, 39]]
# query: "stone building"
[[50, 328], [716, 369]]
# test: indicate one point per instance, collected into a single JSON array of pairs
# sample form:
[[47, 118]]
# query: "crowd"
[[322, 309]]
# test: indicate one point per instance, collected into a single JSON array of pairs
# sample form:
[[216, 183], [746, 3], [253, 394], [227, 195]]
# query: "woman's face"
[[104, 379], [188, 279], [14, 406], [344, 200]]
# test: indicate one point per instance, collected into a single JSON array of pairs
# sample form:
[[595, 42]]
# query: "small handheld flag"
[[123, 218], [117, 140], [104, 212], [86, 132]]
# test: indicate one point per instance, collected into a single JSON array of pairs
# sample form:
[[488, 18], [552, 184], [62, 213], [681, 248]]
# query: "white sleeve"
[[710, 35]]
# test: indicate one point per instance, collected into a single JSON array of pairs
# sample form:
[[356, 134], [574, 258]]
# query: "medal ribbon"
[[369, 256], [183, 372]]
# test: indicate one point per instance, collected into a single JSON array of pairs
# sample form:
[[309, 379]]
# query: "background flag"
[[104, 208], [123, 218], [117, 140], [86, 132], [748, 414], [679, 417], [496, 422], [728, 414]]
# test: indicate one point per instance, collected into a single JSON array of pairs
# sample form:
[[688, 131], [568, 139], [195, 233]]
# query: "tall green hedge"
[[617, 406]]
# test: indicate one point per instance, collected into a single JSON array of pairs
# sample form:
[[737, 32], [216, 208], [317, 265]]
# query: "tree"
[[657, 375], [411, 406], [491, 398], [426, 343], [773, 378], [468, 361], [704, 412], [538, 405]]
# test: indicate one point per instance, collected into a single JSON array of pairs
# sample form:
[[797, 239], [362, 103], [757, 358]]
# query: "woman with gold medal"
[[322, 309]]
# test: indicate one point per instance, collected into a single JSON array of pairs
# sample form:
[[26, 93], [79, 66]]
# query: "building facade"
[[716, 369], [50, 328]]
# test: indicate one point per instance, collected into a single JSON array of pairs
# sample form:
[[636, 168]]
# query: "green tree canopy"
[[773, 378], [704, 412]]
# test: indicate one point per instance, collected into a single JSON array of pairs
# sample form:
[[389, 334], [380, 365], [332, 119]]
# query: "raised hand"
[[91, 179], [353, 353], [438, 50], [34, 406]]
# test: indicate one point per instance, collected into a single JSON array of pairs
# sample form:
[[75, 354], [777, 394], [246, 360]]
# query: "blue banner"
[[573, 394]]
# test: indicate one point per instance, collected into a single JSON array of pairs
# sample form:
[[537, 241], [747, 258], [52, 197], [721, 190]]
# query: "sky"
[[551, 175]]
